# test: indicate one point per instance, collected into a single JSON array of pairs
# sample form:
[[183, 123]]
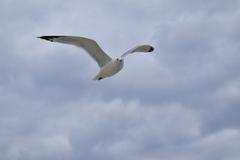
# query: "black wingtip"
[[151, 49], [49, 38]]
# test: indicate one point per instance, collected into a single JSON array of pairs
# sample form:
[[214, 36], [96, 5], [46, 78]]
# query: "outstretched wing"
[[89, 45], [142, 48]]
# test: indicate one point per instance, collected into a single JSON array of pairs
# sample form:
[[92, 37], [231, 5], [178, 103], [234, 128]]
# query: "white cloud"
[[182, 102], [106, 129]]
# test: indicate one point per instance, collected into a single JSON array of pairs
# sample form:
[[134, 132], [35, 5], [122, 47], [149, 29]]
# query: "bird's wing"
[[141, 48], [89, 45]]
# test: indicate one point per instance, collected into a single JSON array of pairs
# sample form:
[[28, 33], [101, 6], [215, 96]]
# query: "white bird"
[[108, 66]]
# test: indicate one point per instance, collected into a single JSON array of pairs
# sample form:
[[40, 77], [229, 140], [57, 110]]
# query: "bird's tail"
[[98, 77]]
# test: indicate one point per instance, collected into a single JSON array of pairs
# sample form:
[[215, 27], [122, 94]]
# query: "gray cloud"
[[179, 103]]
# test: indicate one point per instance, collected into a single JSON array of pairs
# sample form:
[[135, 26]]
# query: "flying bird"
[[108, 66]]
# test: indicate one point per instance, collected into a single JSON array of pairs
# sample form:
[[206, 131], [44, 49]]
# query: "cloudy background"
[[180, 103]]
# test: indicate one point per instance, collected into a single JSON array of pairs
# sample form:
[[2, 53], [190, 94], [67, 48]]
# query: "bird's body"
[[111, 68], [108, 66]]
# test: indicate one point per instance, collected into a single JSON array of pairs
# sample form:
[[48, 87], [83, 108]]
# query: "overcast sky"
[[180, 103]]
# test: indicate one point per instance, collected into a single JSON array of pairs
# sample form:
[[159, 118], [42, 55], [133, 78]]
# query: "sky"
[[182, 102]]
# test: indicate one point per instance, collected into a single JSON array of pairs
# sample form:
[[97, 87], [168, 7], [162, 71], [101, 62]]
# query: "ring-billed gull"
[[108, 66]]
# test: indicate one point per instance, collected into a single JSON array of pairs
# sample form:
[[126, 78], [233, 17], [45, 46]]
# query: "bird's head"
[[119, 60]]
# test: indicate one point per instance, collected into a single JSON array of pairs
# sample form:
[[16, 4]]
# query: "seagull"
[[108, 66]]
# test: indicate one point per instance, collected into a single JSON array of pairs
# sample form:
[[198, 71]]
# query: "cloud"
[[84, 129], [112, 130], [181, 102], [221, 145]]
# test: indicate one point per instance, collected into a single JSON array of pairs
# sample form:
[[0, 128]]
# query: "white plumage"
[[108, 66]]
